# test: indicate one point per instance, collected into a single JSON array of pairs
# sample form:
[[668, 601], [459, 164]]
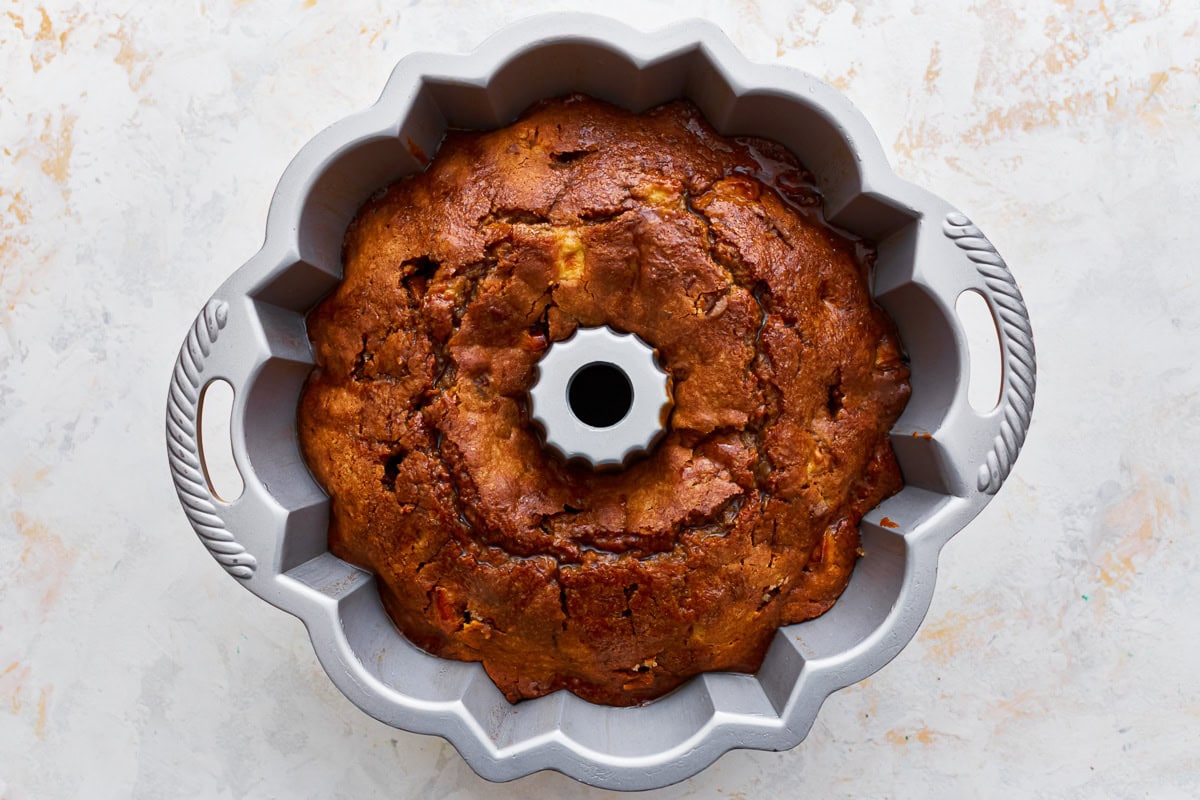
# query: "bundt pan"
[[272, 538]]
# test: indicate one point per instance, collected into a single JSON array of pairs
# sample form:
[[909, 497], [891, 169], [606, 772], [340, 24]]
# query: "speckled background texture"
[[139, 146]]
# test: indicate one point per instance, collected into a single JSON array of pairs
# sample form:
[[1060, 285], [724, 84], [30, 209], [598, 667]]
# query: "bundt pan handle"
[[994, 437], [214, 349]]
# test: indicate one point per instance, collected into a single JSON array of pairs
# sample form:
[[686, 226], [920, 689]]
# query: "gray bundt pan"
[[272, 538]]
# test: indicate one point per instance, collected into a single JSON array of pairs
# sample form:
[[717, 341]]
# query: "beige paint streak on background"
[[1069, 48], [1030, 115], [58, 142], [1133, 530], [1068, 82], [43, 702], [1022, 705], [901, 737], [842, 82], [957, 631], [934, 70], [137, 64], [18, 694], [918, 136], [12, 685], [1150, 109], [14, 216], [45, 560], [50, 40], [373, 32]]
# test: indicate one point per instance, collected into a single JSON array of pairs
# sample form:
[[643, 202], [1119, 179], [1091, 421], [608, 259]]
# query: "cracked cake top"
[[615, 585]]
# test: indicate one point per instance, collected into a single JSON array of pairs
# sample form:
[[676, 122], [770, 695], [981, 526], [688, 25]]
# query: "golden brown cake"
[[615, 585]]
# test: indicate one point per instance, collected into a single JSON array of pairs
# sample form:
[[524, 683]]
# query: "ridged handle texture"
[[1018, 359], [183, 442]]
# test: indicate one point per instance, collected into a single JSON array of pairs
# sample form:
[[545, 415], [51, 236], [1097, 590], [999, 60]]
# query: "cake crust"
[[617, 586]]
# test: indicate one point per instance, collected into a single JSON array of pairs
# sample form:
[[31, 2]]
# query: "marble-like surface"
[[139, 145]]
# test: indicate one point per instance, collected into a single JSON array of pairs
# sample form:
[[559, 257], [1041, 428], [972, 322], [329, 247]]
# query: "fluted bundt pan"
[[272, 538]]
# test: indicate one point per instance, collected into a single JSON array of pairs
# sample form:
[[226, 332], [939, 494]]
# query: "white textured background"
[[140, 146]]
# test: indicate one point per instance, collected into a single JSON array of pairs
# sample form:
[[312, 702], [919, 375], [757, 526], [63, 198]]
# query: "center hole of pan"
[[600, 394]]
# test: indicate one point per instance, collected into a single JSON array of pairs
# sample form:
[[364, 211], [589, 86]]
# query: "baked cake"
[[617, 586]]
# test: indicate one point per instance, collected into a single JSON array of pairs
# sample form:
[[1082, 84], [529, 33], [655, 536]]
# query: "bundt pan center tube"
[[273, 538], [600, 397]]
